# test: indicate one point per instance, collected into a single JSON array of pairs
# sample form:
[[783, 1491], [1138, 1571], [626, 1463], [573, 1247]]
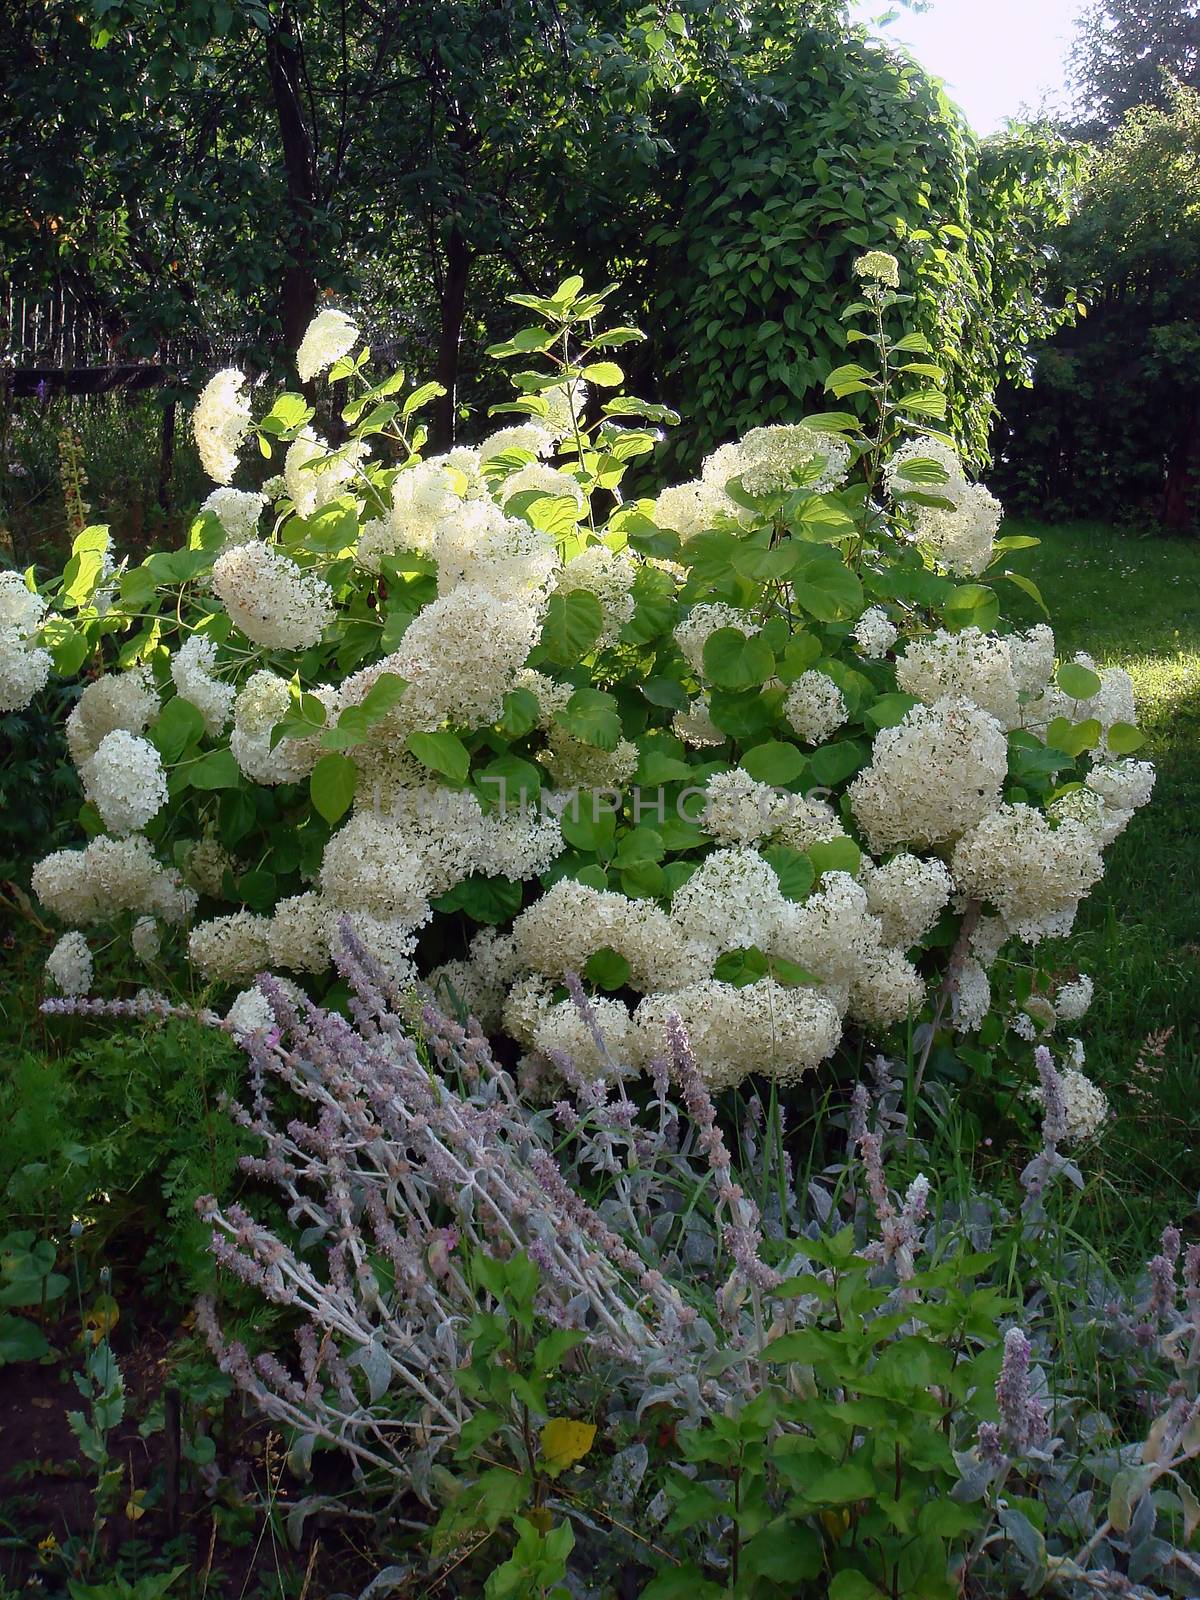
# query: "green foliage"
[[120, 1136], [1127, 53], [1111, 425], [849, 148]]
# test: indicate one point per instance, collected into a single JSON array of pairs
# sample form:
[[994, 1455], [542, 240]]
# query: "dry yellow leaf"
[[565, 1441]]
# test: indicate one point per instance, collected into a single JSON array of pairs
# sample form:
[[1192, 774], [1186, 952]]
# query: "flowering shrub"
[[580, 1327], [757, 752]]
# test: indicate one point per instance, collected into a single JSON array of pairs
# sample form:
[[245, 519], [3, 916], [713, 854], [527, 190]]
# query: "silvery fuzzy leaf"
[[820, 1201], [1028, 1541], [1148, 1557], [659, 1508], [373, 1360], [387, 1582], [977, 1477], [1144, 1518], [666, 1394], [627, 1471], [302, 1510]]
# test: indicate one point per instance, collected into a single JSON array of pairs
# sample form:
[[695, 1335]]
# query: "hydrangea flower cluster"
[[745, 754], [24, 668]]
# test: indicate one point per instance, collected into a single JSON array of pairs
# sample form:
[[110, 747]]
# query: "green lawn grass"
[[1135, 602]]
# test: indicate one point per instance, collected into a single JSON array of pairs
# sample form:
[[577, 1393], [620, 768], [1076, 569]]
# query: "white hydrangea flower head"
[[221, 422], [1122, 785], [23, 671], [21, 608], [887, 990], [145, 939], [922, 448], [299, 933], [125, 781], [1033, 874], [971, 999], [69, 964], [249, 1014], [695, 726], [107, 877], [565, 405], [877, 266], [550, 695], [695, 507], [390, 942], [1073, 1000], [775, 457], [970, 665], [962, 539], [815, 706], [500, 555], [763, 1027], [238, 511], [730, 902], [739, 810], [573, 764], [193, 668], [313, 474], [931, 777], [329, 336], [206, 864], [262, 702], [702, 621], [1091, 811], [369, 866], [908, 894], [874, 633], [125, 700], [528, 437], [1085, 1103], [832, 934], [227, 949], [810, 822], [562, 1031], [423, 495], [1032, 657], [459, 658], [609, 575], [538, 478], [275, 603]]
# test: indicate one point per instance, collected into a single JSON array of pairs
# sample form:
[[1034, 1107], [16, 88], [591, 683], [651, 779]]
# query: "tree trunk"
[[299, 295], [1181, 492], [454, 301]]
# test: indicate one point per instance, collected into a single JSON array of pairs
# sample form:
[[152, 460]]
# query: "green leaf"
[[890, 710], [774, 762], [332, 786], [441, 752], [383, 696], [607, 969], [591, 715], [490, 901], [217, 770], [741, 967], [1123, 739], [520, 714], [21, 1340], [734, 660], [851, 1585], [421, 397], [827, 589], [820, 519], [573, 624], [1028, 586], [1080, 682], [289, 413], [179, 724], [971, 605], [605, 374], [835, 855], [794, 870], [832, 764]]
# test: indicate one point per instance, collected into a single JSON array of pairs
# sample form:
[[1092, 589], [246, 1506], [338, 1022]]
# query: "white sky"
[[996, 56]]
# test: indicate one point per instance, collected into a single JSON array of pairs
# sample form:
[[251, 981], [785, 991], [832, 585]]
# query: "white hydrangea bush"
[[759, 751]]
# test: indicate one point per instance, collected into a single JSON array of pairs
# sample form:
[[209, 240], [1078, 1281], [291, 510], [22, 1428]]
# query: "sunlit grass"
[[1135, 603]]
